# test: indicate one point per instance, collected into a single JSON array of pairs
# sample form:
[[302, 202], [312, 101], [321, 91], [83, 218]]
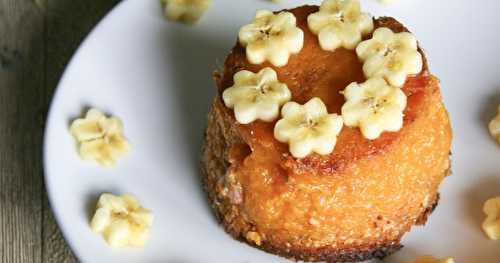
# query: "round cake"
[[352, 204]]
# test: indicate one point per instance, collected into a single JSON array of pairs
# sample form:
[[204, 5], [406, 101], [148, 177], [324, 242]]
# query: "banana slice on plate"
[[431, 259], [122, 221], [491, 225], [494, 126], [186, 11], [100, 138]]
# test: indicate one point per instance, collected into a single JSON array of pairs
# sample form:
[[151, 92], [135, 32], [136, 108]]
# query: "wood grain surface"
[[37, 39]]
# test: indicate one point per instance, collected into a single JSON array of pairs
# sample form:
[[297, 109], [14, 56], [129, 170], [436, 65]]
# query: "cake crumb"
[[254, 237]]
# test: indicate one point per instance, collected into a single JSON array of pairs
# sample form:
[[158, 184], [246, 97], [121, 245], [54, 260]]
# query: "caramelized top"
[[317, 73]]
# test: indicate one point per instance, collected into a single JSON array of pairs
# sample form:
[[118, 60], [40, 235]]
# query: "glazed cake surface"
[[353, 204]]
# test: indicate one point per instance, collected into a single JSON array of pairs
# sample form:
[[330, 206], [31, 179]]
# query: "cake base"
[[225, 195]]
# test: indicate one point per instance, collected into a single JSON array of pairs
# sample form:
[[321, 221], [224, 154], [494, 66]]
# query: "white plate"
[[156, 76]]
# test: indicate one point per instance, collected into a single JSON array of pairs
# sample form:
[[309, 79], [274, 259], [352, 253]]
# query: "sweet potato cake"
[[351, 205]]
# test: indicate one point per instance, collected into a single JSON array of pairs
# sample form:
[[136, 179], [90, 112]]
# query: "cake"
[[352, 204]]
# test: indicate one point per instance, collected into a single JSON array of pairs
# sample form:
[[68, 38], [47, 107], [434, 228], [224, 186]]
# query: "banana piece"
[[389, 55], [122, 221], [340, 23], [491, 225], [494, 126], [385, 2], [271, 37], [100, 138], [374, 106], [431, 259], [308, 128], [256, 96], [187, 11]]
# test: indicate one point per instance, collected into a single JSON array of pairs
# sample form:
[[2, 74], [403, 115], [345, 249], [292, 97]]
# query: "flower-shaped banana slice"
[[385, 2], [491, 225], [122, 221], [308, 128], [100, 138], [494, 126], [187, 11], [374, 106], [256, 96], [392, 56], [271, 37], [431, 259], [340, 23]]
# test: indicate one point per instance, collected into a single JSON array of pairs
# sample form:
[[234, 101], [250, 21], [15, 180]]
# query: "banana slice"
[[271, 37], [308, 128], [187, 11], [374, 106], [256, 96], [122, 221], [494, 126], [390, 56], [431, 259], [491, 225], [386, 2], [100, 138], [340, 23]]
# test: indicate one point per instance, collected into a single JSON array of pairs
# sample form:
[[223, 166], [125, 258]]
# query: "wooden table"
[[37, 39]]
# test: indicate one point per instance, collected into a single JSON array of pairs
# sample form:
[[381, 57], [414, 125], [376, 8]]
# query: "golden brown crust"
[[312, 209]]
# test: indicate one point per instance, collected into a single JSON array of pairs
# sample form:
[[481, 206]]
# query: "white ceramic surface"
[[156, 76]]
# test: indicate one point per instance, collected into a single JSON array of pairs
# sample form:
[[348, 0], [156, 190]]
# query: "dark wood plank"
[[22, 101], [68, 23]]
